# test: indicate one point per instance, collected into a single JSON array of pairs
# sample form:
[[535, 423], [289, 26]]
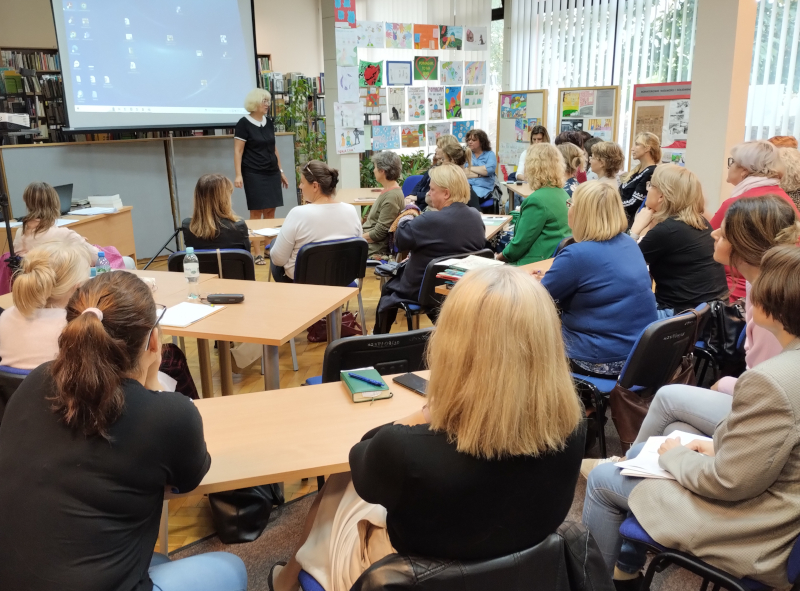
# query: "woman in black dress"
[[256, 158]]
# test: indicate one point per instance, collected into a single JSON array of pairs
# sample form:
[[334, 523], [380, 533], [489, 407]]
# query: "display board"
[[592, 109], [517, 112], [663, 109]]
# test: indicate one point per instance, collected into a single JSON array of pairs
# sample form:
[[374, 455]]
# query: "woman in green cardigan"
[[542, 222]]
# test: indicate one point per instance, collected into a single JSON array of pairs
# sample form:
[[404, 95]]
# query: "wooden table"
[[494, 230], [271, 315], [360, 197], [260, 242], [531, 268], [524, 189]]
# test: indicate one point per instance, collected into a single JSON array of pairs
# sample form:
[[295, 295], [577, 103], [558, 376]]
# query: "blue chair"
[[10, 379], [632, 530], [410, 183], [228, 263], [652, 363]]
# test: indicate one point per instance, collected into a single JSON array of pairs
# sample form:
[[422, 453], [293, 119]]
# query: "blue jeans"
[[215, 571]]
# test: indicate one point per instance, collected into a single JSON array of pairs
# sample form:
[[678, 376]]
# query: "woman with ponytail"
[[87, 448]]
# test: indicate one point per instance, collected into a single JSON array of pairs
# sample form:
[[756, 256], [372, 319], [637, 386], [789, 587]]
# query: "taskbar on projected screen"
[[173, 110]]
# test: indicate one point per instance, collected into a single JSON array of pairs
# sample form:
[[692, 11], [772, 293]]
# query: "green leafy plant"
[[411, 164], [298, 116]]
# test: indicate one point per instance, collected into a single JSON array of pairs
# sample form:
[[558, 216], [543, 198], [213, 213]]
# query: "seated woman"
[[606, 161], [539, 135], [600, 283], [577, 138], [454, 153], [677, 242], [454, 228], [790, 183], [213, 223], [72, 452], [383, 212], [633, 185], [587, 148], [481, 164], [418, 193], [512, 419], [574, 163], [734, 501], [542, 220], [323, 218]]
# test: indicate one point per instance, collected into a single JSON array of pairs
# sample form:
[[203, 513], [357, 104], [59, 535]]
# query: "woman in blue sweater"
[[601, 284]]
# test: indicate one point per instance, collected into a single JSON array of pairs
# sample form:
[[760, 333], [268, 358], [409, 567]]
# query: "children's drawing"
[[513, 106], [452, 101], [436, 130], [426, 68], [385, 137], [347, 78], [416, 103], [346, 47], [475, 72], [344, 13], [426, 37], [452, 72], [370, 34], [435, 103], [399, 35], [397, 105], [451, 37], [398, 73], [473, 96], [412, 136], [370, 73], [476, 39], [460, 129]]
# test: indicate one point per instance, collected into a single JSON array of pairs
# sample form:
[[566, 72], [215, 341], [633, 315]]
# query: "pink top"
[[27, 241], [26, 343], [759, 345]]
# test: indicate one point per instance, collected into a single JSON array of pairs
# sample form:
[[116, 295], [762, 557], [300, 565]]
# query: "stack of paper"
[[109, 201], [62, 222], [645, 465], [471, 262], [186, 313], [268, 232], [93, 211], [493, 220]]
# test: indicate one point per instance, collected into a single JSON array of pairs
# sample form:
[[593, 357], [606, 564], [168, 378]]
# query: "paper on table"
[[15, 224], [365, 199], [62, 222], [489, 220], [268, 232], [471, 262], [645, 465], [93, 211], [186, 313]]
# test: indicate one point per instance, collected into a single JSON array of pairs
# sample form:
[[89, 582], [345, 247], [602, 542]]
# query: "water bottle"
[[191, 270], [102, 265]]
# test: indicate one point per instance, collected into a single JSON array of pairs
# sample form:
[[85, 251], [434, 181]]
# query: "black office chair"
[[563, 244], [10, 379], [428, 300], [228, 263], [339, 263]]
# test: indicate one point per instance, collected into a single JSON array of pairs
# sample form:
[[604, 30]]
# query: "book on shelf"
[[34, 60]]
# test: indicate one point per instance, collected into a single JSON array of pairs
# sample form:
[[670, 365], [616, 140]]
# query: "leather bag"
[[241, 515], [318, 332], [721, 336]]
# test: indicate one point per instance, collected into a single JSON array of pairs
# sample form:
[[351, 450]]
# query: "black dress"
[[260, 172]]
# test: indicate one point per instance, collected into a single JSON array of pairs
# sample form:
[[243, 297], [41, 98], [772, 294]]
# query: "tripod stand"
[[13, 260]]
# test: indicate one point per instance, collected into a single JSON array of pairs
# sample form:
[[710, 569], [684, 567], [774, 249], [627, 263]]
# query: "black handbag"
[[721, 336], [241, 515]]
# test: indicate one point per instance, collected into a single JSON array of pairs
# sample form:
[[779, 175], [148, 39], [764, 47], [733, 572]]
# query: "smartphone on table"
[[412, 382]]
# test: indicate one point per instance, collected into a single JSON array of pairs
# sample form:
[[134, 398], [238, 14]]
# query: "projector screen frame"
[[67, 130]]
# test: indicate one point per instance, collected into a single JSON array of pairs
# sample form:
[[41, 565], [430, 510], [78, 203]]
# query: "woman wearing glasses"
[[89, 445], [323, 218]]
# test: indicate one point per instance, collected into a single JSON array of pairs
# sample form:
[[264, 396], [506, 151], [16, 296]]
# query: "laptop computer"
[[65, 196]]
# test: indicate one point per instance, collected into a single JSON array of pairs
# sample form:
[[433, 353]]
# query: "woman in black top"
[[633, 186], [87, 447], [256, 158], [213, 223], [512, 419], [676, 242]]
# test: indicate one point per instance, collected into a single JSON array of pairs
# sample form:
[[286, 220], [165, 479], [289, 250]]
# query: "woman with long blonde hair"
[[633, 185], [512, 418], [213, 223], [574, 163]]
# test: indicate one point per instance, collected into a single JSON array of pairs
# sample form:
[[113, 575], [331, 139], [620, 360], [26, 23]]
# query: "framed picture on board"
[[399, 73], [594, 110], [518, 112], [663, 109]]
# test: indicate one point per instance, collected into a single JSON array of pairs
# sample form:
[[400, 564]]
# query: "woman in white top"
[[322, 219], [539, 135]]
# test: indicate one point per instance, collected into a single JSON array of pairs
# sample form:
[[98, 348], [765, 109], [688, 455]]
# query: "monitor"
[[65, 197]]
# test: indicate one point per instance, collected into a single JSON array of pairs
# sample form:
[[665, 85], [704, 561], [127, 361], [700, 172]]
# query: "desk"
[[494, 230], [360, 197], [260, 242], [542, 266], [523, 190]]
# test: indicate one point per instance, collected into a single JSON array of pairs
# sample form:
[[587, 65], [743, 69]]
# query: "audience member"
[[387, 167], [733, 501], [633, 186], [420, 191], [600, 283], [574, 162], [454, 228], [482, 164], [326, 220], [454, 153], [542, 222], [754, 169], [213, 223], [511, 418], [606, 161], [678, 245], [783, 141], [587, 147], [573, 137], [538, 135], [88, 446], [790, 182]]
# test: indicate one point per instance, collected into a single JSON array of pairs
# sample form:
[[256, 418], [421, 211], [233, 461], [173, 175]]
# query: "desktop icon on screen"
[[94, 94], [92, 79], [170, 39], [78, 79], [80, 94], [69, 5], [70, 20], [204, 83], [199, 53], [133, 66], [178, 10], [83, 5], [127, 21], [77, 64], [130, 50], [106, 79], [74, 49], [86, 35], [85, 21], [223, 38], [128, 36], [73, 35]]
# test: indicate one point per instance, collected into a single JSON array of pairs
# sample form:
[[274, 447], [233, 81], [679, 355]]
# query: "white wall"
[[290, 31], [27, 24]]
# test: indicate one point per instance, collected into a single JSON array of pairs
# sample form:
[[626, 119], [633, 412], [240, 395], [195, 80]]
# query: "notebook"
[[645, 465], [186, 313], [363, 391], [268, 232]]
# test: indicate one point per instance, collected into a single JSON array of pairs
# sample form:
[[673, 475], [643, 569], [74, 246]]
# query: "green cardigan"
[[542, 224]]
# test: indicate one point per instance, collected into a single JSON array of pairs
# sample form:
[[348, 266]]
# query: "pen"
[[364, 379]]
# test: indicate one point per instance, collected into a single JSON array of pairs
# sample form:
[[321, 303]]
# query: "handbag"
[[721, 336], [318, 332], [241, 515]]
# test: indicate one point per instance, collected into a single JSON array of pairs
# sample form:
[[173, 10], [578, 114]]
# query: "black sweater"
[[231, 235]]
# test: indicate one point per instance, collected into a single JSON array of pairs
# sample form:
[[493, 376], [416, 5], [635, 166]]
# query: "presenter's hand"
[[284, 181], [238, 183]]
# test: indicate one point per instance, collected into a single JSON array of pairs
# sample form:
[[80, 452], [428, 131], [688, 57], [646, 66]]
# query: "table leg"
[[204, 357], [334, 325], [272, 376], [225, 372], [163, 529]]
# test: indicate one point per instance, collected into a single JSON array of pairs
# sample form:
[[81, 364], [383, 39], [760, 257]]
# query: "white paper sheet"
[[62, 222], [645, 465], [268, 232], [186, 313], [93, 211]]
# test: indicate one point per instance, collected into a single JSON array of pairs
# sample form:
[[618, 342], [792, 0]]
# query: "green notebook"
[[362, 391]]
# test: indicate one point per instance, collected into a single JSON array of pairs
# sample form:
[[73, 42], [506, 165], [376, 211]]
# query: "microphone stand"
[[163, 248], [13, 261]]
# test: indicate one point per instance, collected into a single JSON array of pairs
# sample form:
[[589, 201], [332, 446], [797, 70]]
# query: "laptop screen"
[[65, 196]]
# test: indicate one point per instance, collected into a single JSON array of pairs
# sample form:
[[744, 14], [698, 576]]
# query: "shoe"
[[272, 574], [590, 464], [259, 260], [630, 584]]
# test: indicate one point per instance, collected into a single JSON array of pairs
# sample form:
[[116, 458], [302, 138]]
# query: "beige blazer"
[[740, 509]]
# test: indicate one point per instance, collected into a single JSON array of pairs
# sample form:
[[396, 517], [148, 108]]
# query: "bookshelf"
[[264, 61]]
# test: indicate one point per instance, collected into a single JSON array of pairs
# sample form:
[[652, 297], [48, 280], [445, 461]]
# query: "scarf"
[[753, 182]]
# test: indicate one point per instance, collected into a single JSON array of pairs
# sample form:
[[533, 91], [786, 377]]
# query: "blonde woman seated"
[[574, 162], [790, 182], [420, 191], [600, 283], [606, 161], [512, 419], [48, 277], [213, 223], [542, 220]]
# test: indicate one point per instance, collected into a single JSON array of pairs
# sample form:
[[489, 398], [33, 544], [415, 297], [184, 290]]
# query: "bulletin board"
[[517, 112], [663, 109], [592, 109]]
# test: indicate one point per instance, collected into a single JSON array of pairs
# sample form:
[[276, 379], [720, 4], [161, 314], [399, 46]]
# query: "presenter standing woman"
[[256, 158]]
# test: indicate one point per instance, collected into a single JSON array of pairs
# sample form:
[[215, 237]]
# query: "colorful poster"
[[452, 72], [570, 103], [426, 68], [426, 37], [586, 103], [349, 140], [473, 96], [370, 34], [452, 101], [347, 82], [397, 104], [399, 36], [510, 152], [520, 127], [476, 39], [412, 136], [344, 13], [601, 128], [373, 98], [475, 72], [451, 37], [348, 115], [460, 129], [435, 103], [385, 137], [398, 73], [346, 47], [513, 106], [437, 130], [370, 73], [416, 103]]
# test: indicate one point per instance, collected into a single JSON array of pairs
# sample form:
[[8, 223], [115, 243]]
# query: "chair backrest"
[[409, 184], [658, 351], [332, 262], [563, 244], [236, 263], [428, 298], [10, 379], [388, 353]]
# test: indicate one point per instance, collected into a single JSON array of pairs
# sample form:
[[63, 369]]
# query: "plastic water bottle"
[[102, 265], [191, 270]]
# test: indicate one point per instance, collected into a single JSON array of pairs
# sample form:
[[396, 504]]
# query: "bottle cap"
[[190, 250], [101, 254]]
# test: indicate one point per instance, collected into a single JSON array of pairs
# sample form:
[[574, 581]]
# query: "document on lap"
[[645, 465]]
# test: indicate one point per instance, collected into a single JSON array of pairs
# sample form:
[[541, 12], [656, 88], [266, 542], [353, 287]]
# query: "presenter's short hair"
[[454, 179], [255, 97]]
